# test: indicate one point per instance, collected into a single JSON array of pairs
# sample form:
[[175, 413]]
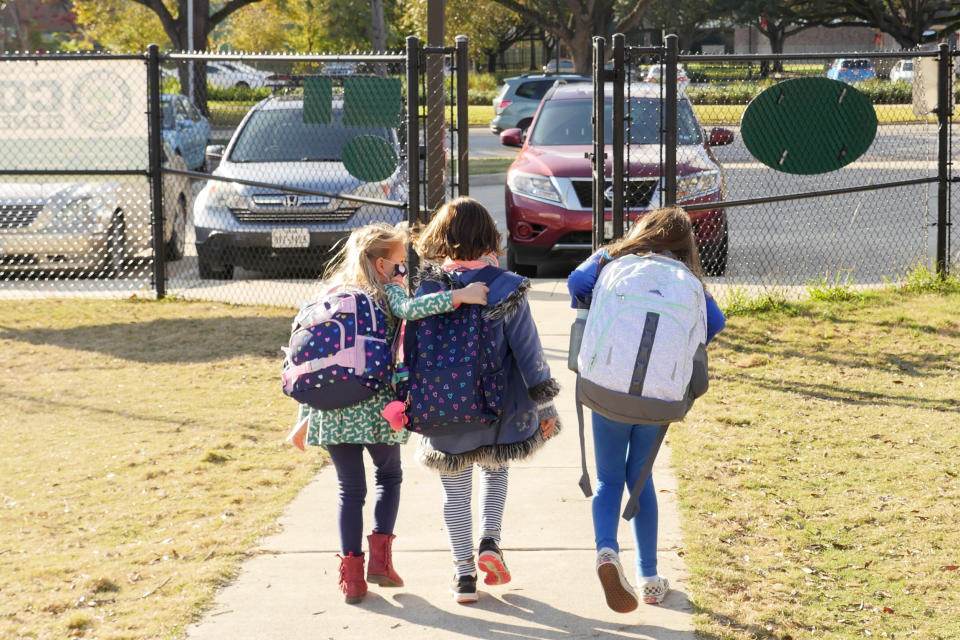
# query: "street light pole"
[[190, 47]]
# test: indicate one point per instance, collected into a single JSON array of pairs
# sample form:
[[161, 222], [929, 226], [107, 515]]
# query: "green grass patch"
[[479, 166], [818, 478], [144, 457]]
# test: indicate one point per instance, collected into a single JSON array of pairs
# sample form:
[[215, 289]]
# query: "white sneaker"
[[619, 594], [653, 589]]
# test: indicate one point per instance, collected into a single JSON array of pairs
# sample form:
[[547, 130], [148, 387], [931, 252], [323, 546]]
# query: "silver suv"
[[270, 229], [517, 102]]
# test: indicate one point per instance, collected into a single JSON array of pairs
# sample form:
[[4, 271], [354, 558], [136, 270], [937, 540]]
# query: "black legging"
[[348, 461]]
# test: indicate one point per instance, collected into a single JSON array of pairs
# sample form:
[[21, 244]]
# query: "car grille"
[[293, 209], [577, 237], [18, 216], [639, 193]]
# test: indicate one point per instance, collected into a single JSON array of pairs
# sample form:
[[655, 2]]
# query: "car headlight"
[[225, 194], [697, 184], [532, 185], [78, 212], [377, 190]]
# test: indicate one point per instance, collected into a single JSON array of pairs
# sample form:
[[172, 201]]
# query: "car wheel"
[[713, 255], [213, 271], [242, 85], [111, 263], [174, 248], [525, 270], [523, 125]]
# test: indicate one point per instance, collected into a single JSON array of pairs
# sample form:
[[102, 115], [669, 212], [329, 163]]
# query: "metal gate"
[[868, 222]]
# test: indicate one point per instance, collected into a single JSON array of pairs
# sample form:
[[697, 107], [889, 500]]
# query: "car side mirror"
[[213, 154], [719, 137], [512, 138]]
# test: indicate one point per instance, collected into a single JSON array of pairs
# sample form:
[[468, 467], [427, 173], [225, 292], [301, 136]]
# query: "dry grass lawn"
[[819, 479]]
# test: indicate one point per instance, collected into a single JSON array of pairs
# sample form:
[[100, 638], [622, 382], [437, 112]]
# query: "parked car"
[[656, 71], [267, 228], [902, 71], [563, 65], [517, 102], [185, 129], [88, 228], [223, 76], [549, 192], [340, 68], [851, 70]]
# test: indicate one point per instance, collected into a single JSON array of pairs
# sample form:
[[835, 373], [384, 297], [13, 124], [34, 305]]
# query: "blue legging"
[[348, 461], [621, 450]]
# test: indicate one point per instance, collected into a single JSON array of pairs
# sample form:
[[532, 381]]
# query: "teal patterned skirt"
[[361, 423]]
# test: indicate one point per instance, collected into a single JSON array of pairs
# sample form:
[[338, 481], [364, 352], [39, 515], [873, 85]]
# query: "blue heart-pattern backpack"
[[456, 378], [338, 354]]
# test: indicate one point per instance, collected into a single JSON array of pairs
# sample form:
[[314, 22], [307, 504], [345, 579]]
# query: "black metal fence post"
[[670, 121], [944, 113], [599, 147], [413, 142], [617, 132], [155, 170], [463, 130]]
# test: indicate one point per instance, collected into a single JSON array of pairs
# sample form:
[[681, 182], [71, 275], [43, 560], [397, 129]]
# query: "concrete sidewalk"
[[288, 590]]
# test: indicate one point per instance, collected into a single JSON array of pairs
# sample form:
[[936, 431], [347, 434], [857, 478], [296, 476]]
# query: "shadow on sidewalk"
[[544, 622]]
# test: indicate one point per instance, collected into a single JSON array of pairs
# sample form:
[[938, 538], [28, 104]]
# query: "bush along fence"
[[809, 178]]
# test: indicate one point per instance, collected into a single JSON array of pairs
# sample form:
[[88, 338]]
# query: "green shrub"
[[237, 94]]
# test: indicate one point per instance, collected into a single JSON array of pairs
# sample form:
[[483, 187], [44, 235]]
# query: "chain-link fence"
[[260, 164], [827, 170], [74, 188]]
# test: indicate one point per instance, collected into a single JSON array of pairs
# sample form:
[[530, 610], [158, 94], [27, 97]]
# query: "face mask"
[[399, 268]]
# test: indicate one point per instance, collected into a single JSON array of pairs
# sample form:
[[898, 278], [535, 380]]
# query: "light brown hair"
[[354, 263], [461, 229], [667, 229]]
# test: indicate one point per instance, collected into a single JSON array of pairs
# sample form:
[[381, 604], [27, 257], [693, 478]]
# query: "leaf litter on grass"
[[144, 459], [818, 477]]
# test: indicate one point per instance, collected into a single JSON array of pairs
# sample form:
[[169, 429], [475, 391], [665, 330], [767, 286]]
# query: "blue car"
[[851, 70], [185, 130]]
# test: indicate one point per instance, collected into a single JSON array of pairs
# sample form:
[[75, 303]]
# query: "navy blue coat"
[[528, 382]]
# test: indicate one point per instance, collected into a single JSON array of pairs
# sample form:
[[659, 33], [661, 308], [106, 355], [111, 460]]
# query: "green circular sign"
[[370, 158], [808, 125]]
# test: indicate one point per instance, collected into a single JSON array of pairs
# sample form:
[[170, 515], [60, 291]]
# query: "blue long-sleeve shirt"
[[581, 281]]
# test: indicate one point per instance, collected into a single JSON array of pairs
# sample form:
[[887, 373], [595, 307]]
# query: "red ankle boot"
[[380, 570], [351, 578]]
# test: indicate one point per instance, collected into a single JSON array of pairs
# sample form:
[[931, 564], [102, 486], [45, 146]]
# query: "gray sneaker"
[[619, 594]]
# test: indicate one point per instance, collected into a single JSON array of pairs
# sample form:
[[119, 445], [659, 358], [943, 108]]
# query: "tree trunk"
[[378, 29]]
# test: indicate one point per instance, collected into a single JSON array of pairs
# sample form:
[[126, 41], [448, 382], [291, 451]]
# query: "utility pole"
[[435, 130]]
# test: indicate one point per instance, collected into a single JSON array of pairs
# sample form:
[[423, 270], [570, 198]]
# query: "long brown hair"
[[667, 229], [354, 263], [461, 229]]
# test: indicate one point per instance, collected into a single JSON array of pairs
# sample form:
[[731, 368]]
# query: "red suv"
[[549, 187]]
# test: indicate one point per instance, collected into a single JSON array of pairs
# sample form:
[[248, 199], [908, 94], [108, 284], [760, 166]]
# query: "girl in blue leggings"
[[621, 449]]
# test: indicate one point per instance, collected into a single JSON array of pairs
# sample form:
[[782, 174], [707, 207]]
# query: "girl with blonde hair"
[[373, 260]]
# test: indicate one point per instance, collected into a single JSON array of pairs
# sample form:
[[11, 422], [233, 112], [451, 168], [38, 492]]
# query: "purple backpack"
[[456, 375], [338, 353]]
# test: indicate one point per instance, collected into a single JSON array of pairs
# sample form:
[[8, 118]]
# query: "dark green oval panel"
[[369, 158], [808, 125]]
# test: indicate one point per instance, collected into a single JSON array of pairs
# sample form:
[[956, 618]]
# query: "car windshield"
[[281, 135], [564, 122]]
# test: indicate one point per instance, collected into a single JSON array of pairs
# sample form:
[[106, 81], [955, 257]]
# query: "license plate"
[[289, 238]]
